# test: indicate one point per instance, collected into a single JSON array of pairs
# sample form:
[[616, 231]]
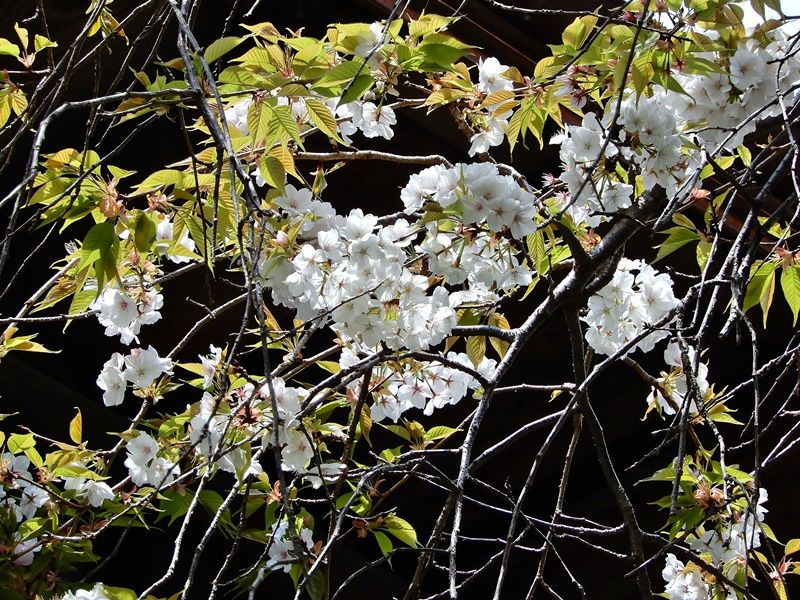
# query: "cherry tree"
[[354, 323]]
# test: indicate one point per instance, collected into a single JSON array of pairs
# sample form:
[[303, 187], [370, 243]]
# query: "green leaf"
[[272, 124], [322, 117], [390, 454], [32, 527], [725, 162], [144, 233], [365, 423], [402, 530], [384, 542], [546, 67], [537, 249], [220, 47], [174, 505], [683, 221], [745, 155], [439, 432], [81, 301], [101, 248], [118, 593], [357, 89], [768, 532], [677, 237], [703, 251], [8, 48], [76, 428], [641, 73], [767, 292], [790, 284], [18, 101], [334, 81], [476, 349], [40, 43], [792, 546], [721, 414], [22, 34], [398, 430], [315, 586], [34, 456], [444, 96], [5, 109], [500, 346], [438, 56], [19, 442], [160, 179], [428, 24], [578, 31]]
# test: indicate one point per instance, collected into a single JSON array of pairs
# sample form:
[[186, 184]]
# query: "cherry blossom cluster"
[[720, 108], [281, 551], [140, 367], [725, 546], [399, 387], [22, 498], [372, 120], [123, 311], [25, 495], [675, 383], [358, 276], [144, 464], [636, 298], [245, 415], [653, 136], [648, 141], [474, 240], [491, 125]]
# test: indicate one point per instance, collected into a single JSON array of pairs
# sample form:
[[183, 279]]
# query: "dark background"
[[44, 389]]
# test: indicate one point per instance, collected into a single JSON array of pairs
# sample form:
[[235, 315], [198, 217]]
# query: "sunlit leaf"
[[76, 428], [219, 48]]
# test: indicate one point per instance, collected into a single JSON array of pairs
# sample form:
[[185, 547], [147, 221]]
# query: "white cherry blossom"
[[143, 367]]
